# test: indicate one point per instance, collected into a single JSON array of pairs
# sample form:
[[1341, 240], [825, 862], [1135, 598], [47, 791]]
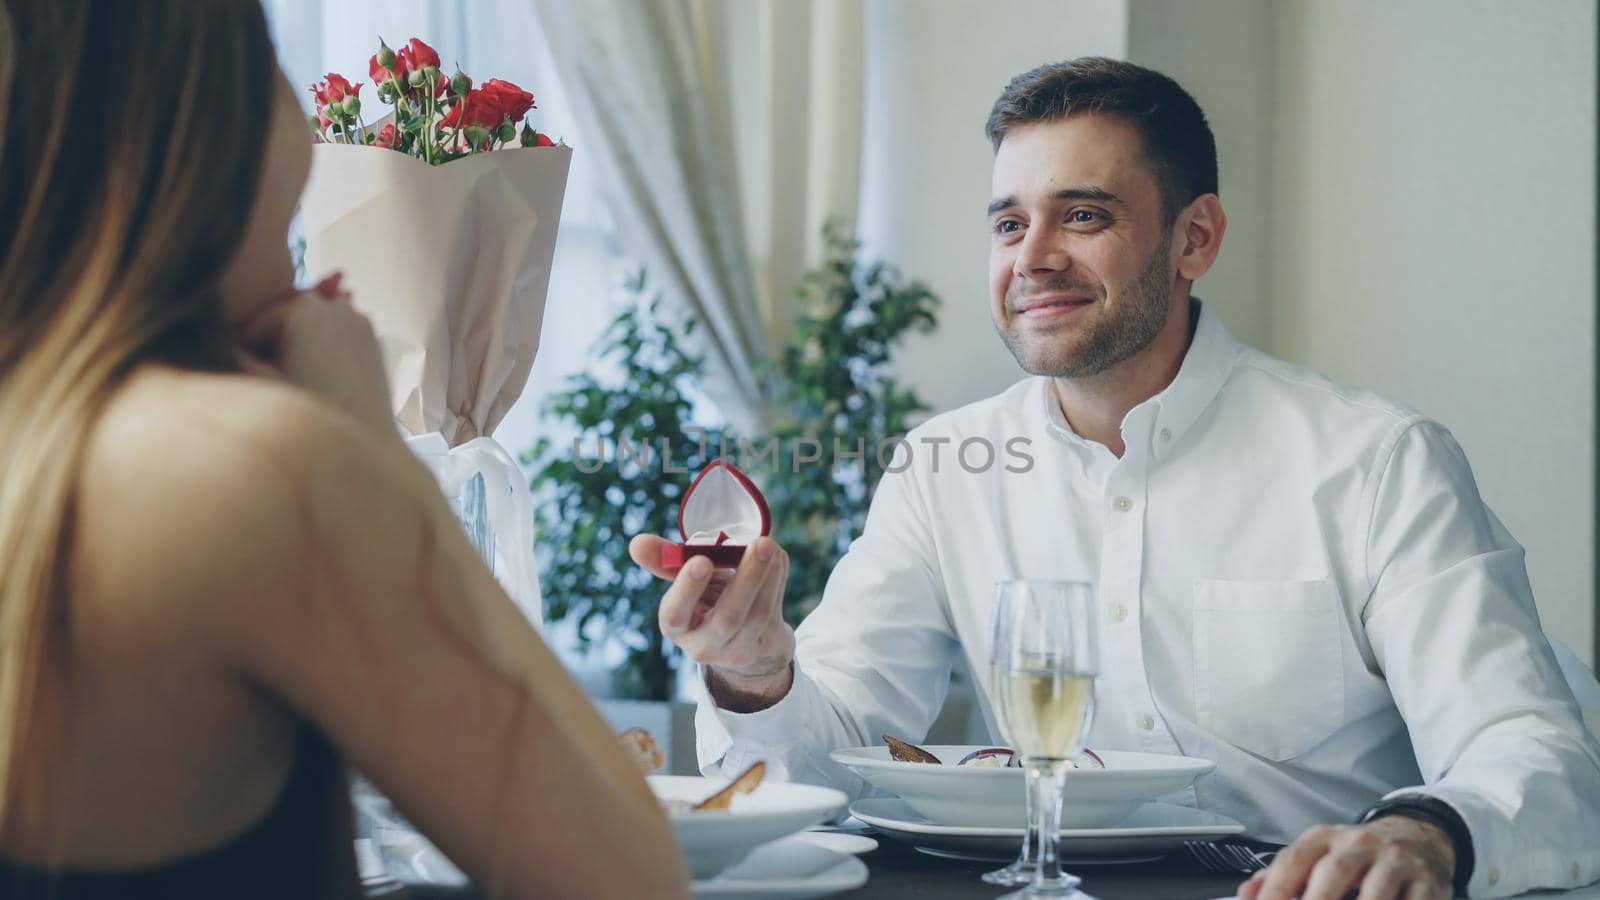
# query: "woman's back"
[[247, 561], [169, 765]]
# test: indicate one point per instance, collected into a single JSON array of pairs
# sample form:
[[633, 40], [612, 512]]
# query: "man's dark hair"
[[1177, 140]]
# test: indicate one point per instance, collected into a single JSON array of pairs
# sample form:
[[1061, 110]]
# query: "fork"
[[1225, 857]]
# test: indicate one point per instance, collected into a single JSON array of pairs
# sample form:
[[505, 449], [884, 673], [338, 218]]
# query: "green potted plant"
[[611, 483], [834, 391], [830, 381]]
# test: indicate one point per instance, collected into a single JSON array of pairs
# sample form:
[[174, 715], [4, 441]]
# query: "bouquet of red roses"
[[450, 262], [434, 118]]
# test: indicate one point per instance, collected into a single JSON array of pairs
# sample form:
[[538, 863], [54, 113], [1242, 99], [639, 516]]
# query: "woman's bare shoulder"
[[200, 486], [189, 425]]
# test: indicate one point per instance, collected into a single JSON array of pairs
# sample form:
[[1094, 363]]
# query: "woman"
[[221, 572]]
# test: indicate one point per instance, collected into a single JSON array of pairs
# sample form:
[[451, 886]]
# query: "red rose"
[[379, 74], [512, 102], [476, 108], [415, 54], [333, 89], [543, 141], [386, 136]]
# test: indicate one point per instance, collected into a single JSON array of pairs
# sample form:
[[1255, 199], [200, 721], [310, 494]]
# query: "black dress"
[[301, 848]]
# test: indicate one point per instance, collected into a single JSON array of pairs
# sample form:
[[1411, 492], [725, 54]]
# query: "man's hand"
[[730, 621], [1395, 857]]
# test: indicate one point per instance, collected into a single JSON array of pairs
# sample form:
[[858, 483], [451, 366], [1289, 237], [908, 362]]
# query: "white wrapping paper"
[[451, 263]]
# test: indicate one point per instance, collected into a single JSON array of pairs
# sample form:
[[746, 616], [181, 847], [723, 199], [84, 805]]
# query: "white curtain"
[[790, 95], [633, 72], [698, 116]]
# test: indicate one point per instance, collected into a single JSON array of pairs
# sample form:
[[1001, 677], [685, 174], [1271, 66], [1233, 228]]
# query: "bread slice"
[[744, 784], [643, 748]]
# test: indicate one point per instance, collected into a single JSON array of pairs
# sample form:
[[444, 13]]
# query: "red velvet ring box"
[[721, 513]]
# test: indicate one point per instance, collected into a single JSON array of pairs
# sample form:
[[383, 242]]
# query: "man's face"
[[1080, 276]]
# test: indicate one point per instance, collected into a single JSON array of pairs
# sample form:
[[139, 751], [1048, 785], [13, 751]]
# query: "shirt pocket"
[[1269, 666]]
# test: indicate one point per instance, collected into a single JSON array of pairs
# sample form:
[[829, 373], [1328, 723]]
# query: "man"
[[1296, 579]]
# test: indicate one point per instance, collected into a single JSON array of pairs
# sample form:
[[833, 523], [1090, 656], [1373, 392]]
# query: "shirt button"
[[1146, 723], [1165, 435], [1123, 504], [1494, 876], [1120, 613]]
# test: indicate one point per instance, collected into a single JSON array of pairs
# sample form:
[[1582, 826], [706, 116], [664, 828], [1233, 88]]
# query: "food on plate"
[[747, 781], [992, 758], [643, 748], [907, 752], [984, 758], [744, 784], [648, 757]]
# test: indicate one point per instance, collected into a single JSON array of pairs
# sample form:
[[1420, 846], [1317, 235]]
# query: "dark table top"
[[900, 871]]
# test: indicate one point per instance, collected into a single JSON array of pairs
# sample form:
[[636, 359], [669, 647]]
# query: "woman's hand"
[[317, 341]]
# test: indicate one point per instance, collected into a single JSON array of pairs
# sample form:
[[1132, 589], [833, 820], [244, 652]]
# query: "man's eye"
[[1083, 216], [1007, 226]]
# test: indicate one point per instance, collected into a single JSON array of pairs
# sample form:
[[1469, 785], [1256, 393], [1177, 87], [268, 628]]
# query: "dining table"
[[896, 870]]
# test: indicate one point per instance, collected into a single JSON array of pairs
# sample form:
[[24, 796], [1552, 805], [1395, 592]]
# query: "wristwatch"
[[1434, 812]]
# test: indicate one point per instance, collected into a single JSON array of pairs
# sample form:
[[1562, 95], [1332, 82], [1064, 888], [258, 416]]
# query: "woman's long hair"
[[130, 160]]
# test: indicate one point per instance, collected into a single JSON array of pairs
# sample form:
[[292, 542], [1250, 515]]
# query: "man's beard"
[[1131, 326]]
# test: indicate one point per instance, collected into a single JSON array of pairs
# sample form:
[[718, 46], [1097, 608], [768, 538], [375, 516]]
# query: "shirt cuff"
[[730, 740], [1438, 813], [1500, 867]]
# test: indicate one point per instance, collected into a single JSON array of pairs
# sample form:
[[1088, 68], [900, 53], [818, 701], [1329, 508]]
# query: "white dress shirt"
[[1296, 579]]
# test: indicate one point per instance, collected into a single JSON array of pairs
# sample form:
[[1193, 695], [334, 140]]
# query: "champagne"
[[1045, 712]]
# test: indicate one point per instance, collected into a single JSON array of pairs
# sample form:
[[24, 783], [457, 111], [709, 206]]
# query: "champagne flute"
[[1047, 662], [1020, 871]]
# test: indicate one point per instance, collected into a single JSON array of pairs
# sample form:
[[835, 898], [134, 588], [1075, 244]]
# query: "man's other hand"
[[1395, 857]]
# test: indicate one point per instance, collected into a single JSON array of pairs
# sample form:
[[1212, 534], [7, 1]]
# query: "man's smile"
[[1050, 307]]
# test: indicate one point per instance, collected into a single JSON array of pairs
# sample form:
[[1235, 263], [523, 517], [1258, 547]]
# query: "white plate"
[[1154, 830], [793, 868], [713, 840], [987, 797], [838, 842]]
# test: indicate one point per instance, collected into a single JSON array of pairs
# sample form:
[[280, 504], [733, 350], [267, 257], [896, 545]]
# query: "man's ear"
[[1198, 235]]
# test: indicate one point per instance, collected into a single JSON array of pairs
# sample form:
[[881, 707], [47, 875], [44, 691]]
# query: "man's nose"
[[1042, 253]]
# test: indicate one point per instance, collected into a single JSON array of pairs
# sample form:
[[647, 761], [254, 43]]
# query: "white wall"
[[1220, 51], [933, 72], [1433, 202]]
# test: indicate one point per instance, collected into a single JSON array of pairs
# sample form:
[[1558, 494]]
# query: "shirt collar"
[[1084, 453], [1205, 368]]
